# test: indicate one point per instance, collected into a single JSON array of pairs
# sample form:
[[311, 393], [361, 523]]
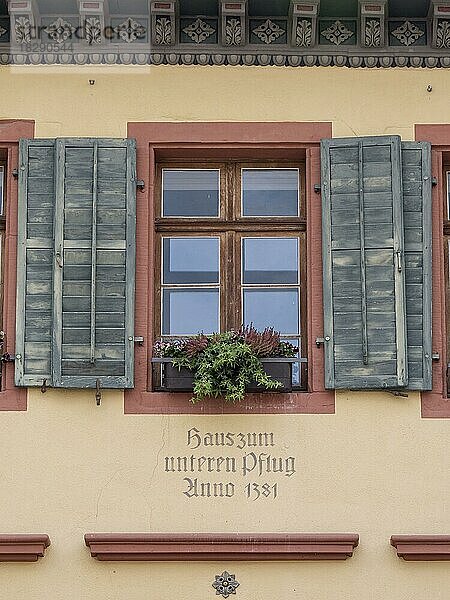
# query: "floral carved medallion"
[[268, 31], [199, 31], [337, 33], [408, 33]]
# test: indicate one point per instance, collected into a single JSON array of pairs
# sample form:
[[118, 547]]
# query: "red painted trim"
[[212, 547], [435, 404], [11, 397], [22, 547], [222, 140], [422, 547]]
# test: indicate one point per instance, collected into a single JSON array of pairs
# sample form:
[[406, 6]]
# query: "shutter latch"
[[98, 393], [398, 255]]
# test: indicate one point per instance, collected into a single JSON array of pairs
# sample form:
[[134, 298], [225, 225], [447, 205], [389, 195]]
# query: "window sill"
[[212, 547], [156, 403], [422, 547], [22, 547]]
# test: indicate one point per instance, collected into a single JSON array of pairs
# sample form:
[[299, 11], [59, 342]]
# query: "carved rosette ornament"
[[199, 31], [163, 31], [337, 33], [233, 31], [408, 33], [60, 30], [372, 33], [443, 34], [93, 30], [225, 584], [303, 33], [130, 30], [268, 31]]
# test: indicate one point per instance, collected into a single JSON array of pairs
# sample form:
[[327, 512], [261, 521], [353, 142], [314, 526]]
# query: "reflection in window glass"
[[190, 260], [270, 260], [277, 308], [270, 192], [190, 192], [187, 311]]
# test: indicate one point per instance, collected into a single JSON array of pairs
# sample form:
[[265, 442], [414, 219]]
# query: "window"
[[232, 250], [446, 236], [2, 246]]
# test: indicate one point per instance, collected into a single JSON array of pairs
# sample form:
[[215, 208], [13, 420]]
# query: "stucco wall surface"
[[375, 467]]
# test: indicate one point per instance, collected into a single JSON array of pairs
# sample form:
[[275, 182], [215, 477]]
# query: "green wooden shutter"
[[35, 262], [416, 164], [364, 287], [93, 264]]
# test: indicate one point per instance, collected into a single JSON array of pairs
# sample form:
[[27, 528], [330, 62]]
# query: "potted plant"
[[227, 364]]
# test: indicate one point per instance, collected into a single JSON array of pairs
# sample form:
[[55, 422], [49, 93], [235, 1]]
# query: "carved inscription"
[[254, 470]]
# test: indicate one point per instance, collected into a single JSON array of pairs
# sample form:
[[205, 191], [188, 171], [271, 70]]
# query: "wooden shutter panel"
[[92, 263], [35, 262], [416, 166], [364, 287]]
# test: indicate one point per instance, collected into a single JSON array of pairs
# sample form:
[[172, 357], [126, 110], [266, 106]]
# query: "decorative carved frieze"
[[130, 30], [233, 16], [440, 18], [372, 17], [163, 23], [408, 33], [337, 33], [304, 23], [268, 31], [24, 17], [199, 30], [60, 30], [92, 21]]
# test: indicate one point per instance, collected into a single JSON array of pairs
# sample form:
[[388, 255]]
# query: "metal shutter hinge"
[[436, 356], [320, 341], [434, 181], [15, 173], [138, 339], [140, 183], [98, 393], [317, 188]]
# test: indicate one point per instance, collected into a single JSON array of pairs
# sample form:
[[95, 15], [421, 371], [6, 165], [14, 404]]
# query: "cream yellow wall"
[[375, 467]]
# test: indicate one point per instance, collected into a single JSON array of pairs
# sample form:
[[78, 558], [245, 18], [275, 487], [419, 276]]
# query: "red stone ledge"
[[212, 547], [422, 547], [22, 547]]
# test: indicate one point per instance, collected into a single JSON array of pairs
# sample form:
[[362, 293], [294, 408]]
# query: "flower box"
[[181, 380]]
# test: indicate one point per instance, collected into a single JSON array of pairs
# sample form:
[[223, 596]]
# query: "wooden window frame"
[[231, 227], [241, 142], [11, 397], [436, 403]]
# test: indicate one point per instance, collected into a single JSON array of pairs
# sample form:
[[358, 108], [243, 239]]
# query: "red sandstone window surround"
[[11, 398], [436, 404], [158, 142]]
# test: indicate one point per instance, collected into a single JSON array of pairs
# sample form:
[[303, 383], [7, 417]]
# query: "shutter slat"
[[35, 262], [364, 288], [416, 169]]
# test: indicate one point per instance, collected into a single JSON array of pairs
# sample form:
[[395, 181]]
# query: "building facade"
[[285, 122]]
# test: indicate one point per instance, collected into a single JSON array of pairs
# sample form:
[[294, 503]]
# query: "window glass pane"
[[191, 260], [2, 187], [448, 195], [191, 192], [270, 192], [190, 311], [277, 308], [270, 260]]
